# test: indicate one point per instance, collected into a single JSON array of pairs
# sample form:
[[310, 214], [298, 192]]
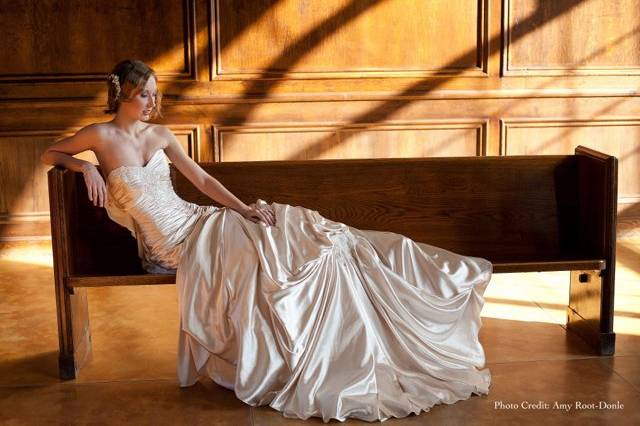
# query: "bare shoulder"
[[102, 131], [163, 133], [92, 131], [160, 130]]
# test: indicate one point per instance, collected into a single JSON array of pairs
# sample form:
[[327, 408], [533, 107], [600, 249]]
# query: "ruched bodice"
[[142, 199]]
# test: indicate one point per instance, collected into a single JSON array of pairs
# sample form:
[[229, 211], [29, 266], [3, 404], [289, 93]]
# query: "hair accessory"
[[116, 83]]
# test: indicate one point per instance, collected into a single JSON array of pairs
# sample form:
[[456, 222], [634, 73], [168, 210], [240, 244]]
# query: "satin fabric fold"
[[311, 317]]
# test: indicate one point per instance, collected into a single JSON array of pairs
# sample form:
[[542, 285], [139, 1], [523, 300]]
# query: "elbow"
[[44, 157], [203, 182]]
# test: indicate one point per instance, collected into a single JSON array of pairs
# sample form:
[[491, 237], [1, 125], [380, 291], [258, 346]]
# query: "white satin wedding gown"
[[310, 316]]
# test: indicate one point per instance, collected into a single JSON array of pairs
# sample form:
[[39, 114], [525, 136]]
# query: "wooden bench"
[[523, 213]]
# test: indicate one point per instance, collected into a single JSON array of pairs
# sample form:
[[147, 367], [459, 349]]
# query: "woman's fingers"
[[97, 192], [260, 216], [104, 195], [101, 196], [263, 214], [87, 183], [98, 196], [268, 218], [271, 214], [263, 217]]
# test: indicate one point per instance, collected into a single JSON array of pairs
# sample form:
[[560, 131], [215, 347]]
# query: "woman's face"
[[141, 105]]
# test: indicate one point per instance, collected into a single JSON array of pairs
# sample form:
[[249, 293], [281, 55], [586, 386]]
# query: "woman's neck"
[[127, 125]]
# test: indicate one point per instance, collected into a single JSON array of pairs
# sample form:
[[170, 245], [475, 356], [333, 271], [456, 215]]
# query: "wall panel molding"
[[335, 134], [219, 71], [189, 51], [190, 136], [614, 27]]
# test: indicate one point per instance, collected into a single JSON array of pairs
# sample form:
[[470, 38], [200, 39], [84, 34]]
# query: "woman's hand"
[[263, 212], [96, 187]]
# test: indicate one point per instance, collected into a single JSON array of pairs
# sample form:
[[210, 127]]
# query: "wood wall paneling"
[[339, 38], [595, 37], [367, 140], [78, 40], [296, 79], [24, 201]]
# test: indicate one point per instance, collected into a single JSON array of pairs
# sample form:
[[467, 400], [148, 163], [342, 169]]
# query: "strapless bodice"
[[142, 199]]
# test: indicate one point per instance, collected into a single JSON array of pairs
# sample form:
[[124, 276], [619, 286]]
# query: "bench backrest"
[[505, 209]]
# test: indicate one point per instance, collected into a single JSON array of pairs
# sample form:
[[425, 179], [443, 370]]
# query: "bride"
[[283, 306]]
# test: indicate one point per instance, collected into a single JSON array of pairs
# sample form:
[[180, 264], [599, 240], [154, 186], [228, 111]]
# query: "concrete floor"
[[132, 375]]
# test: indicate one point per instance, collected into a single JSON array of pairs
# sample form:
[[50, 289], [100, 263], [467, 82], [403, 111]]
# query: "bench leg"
[[590, 313], [73, 330]]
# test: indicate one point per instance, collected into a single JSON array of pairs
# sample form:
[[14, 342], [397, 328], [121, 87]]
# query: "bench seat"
[[158, 279]]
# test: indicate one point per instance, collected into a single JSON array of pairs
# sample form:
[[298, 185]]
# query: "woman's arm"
[[206, 183], [62, 154]]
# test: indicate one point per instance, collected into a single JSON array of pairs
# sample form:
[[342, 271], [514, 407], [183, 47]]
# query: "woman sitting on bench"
[[278, 303]]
